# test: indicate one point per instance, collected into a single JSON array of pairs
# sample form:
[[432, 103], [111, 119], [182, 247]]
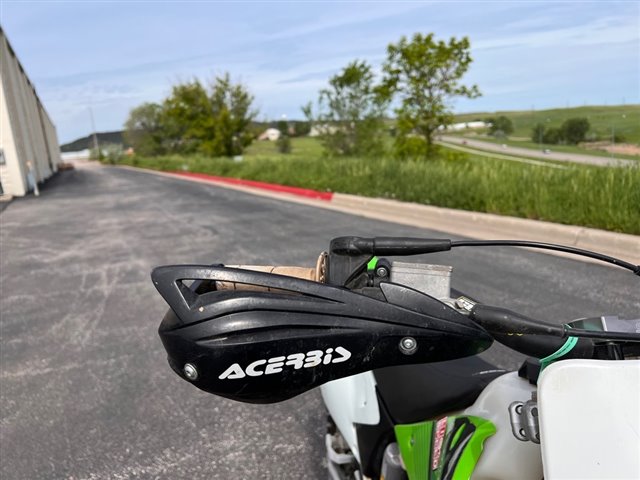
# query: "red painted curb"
[[274, 187]]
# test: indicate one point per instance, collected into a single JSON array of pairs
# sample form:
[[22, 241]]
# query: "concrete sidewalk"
[[486, 226], [476, 225]]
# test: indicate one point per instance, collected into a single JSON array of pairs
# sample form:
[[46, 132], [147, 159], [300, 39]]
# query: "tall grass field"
[[621, 119], [605, 198]]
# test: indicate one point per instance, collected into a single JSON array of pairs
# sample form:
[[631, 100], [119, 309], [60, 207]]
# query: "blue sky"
[[113, 56]]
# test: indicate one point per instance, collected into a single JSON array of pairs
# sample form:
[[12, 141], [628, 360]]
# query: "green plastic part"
[[414, 441], [372, 264], [473, 450], [561, 352], [429, 455], [456, 435]]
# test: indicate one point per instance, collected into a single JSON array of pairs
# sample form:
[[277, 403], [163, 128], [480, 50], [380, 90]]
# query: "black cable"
[[602, 335], [548, 246]]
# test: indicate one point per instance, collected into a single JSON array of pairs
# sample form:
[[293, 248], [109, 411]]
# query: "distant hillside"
[[118, 139], [87, 142], [624, 119]]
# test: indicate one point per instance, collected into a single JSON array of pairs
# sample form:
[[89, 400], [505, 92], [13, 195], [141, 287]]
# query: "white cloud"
[[360, 15], [604, 30], [285, 53]]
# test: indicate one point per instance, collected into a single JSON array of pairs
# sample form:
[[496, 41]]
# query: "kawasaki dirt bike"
[[395, 350]]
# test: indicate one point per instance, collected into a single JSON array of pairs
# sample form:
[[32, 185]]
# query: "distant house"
[[319, 130], [464, 126], [271, 134], [73, 156]]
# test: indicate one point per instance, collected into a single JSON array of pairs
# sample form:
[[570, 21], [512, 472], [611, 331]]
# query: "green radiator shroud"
[[445, 449]]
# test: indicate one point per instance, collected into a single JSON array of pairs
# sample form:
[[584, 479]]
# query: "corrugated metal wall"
[[27, 134]]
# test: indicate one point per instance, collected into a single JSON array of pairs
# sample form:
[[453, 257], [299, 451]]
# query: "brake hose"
[[361, 246], [548, 246]]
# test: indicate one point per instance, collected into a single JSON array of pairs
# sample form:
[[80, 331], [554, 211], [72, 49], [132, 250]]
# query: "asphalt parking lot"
[[85, 389]]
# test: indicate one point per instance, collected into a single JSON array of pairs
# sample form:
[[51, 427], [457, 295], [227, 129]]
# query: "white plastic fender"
[[352, 400], [590, 419]]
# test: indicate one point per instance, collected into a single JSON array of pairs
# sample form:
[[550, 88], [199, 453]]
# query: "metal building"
[[29, 150]]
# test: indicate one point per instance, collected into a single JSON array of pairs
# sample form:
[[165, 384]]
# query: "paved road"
[[85, 389], [530, 153]]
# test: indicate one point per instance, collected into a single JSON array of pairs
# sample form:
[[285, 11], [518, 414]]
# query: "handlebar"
[[526, 335], [313, 274], [541, 339], [354, 308], [296, 272], [503, 321]]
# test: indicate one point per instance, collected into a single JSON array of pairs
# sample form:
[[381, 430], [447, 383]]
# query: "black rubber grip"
[[354, 246]]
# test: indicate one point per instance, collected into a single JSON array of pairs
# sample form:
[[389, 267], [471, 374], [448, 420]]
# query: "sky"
[[111, 56]]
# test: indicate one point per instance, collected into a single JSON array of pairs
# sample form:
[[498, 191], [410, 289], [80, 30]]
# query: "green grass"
[[607, 198], [624, 118], [303, 146]]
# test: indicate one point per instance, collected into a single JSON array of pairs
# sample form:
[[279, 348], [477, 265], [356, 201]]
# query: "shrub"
[[537, 133], [574, 130], [619, 138], [552, 136], [501, 127], [413, 146], [284, 144], [111, 153]]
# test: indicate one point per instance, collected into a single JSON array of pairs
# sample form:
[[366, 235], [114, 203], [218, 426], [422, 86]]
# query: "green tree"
[[425, 74], [552, 136], [186, 118], [283, 127], [143, 129], [574, 130], [193, 120], [350, 112], [284, 143], [501, 126], [301, 128], [537, 133], [233, 114]]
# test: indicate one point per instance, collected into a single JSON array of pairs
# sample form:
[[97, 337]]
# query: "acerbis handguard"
[[262, 346]]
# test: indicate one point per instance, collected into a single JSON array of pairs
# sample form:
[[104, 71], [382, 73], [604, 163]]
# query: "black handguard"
[[281, 336], [526, 335]]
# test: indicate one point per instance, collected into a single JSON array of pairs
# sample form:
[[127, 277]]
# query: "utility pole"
[[613, 136], [613, 140], [542, 129], [95, 135], [540, 137]]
